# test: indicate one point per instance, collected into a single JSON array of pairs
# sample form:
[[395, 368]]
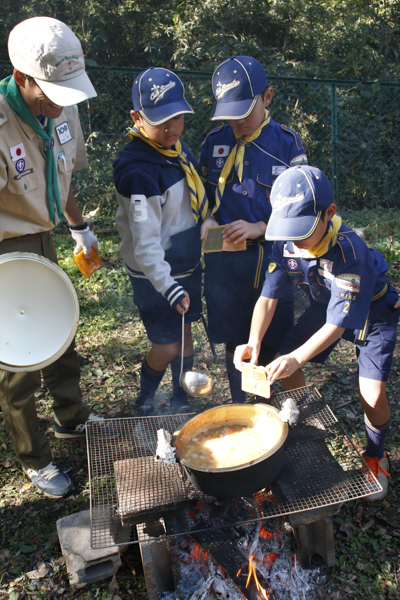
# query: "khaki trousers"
[[17, 390]]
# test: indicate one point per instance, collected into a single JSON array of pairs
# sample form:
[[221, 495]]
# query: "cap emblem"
[[158, 91], [282, 201], [224, 87]]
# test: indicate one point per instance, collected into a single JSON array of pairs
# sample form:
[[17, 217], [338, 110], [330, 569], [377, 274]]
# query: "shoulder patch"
[[296, 137], [301, 159], [211, 133], [3, 118], [271, 267], [347, 248]]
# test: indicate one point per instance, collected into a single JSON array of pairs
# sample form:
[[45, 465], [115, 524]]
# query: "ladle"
[[195, 384]]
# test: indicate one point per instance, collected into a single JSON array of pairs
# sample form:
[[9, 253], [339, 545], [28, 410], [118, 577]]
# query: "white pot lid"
[[39, 312]]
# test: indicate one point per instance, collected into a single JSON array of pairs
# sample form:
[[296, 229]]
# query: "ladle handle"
[[183, 340]]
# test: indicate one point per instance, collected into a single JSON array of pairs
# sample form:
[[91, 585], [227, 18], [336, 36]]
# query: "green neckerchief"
[[10, 90]]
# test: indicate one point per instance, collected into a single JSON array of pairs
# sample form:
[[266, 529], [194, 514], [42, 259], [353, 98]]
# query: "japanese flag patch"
[[17, 152], [220, 151]]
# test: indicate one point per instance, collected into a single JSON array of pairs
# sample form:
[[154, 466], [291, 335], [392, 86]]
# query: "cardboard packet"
[[254, 380], [214, 242]]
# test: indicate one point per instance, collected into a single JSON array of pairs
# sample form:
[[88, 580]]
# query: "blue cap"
[[298, 197], [158, 95], [237, 83]]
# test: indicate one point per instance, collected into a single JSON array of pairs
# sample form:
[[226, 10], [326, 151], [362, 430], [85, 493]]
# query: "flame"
[[253, 572]]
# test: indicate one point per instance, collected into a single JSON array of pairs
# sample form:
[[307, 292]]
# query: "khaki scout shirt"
[[23, 197]]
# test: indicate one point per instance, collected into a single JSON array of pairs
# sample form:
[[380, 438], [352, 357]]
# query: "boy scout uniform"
[[25, 226]]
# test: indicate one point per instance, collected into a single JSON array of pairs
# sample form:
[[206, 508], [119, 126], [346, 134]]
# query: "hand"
[[239, 231], [208, 222], [397, 305], [85, 240], [245, 351], [283, 366], [183, 305]]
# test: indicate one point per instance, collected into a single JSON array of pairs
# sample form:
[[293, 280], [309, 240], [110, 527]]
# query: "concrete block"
[[85, 564], [160, 559]]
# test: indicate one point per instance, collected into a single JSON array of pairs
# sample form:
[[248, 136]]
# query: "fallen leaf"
[[347, 528]]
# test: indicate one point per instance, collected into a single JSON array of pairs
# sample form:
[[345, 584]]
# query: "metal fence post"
[[334, 142]]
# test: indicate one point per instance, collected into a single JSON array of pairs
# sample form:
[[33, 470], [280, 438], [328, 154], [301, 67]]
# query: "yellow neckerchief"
[[198, 197], [327, 242], [236, 158]]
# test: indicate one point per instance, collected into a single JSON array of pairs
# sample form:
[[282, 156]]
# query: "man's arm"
[[286, 365], [262, 316], [72, 212]]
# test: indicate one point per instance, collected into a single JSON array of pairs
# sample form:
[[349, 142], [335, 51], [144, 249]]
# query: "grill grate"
[[128, 488]]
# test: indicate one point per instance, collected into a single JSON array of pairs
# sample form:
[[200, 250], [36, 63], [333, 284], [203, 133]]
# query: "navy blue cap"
[[237, 83], [298, 197], [158, 95]]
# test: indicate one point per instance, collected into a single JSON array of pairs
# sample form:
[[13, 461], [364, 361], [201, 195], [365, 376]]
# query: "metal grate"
[[131, 493]]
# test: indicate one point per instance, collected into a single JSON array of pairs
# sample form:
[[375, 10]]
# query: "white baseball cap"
[[47, 50]]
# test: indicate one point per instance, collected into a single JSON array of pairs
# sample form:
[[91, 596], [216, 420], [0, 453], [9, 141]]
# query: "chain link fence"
[[349, 129]]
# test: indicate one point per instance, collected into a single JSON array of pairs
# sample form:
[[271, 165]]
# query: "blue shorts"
[[232, 286], [163, 323], [375, 357]]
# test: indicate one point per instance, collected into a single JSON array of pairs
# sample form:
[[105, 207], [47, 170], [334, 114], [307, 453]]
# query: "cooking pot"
[[241, 480]]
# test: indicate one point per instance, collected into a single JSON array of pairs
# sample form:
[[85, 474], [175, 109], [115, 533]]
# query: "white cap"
[[47, 50]]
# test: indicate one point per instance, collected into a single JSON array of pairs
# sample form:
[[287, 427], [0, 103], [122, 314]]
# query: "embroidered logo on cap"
[[158, 91], [282, 201], [225, 87], [17, 152]]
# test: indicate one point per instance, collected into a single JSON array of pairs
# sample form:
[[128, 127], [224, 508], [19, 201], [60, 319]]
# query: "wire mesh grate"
[[130, 492]]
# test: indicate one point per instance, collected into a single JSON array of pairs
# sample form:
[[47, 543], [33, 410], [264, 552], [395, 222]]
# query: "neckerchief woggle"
[[236, 158], [198, 197], [327, 242], [10, 90]]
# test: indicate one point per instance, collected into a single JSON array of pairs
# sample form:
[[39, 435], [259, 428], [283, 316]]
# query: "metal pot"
[[242, 480]]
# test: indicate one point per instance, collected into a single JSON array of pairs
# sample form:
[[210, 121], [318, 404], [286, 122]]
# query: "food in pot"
[[227, 446]]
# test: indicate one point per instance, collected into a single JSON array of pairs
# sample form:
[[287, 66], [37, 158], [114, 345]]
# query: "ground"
[[111, 343]]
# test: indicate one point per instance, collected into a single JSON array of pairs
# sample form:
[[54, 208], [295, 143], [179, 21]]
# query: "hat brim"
[[161, 114], [233, 110], [67, 93], [291, 230]]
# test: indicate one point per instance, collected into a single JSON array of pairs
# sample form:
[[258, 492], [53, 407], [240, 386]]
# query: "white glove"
[[85, 240]]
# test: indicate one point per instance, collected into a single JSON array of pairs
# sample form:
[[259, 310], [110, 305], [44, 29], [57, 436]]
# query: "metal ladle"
[[195, 384]]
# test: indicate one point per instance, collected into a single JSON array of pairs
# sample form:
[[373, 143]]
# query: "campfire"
[[232, 548]]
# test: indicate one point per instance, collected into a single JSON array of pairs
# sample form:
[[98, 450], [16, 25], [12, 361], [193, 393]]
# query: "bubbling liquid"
[[232, 445]]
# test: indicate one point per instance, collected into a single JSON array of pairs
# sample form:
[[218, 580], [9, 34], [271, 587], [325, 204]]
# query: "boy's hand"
[[208, 222], [183, 305], [246, 351], [283, 366], [239, 231]]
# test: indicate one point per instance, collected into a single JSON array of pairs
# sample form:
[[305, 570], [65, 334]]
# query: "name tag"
[[277, 169], [63, 133]]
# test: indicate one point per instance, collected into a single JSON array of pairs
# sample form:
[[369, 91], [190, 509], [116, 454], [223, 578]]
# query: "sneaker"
[[50, 480], [380, 468], [73, 432]]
